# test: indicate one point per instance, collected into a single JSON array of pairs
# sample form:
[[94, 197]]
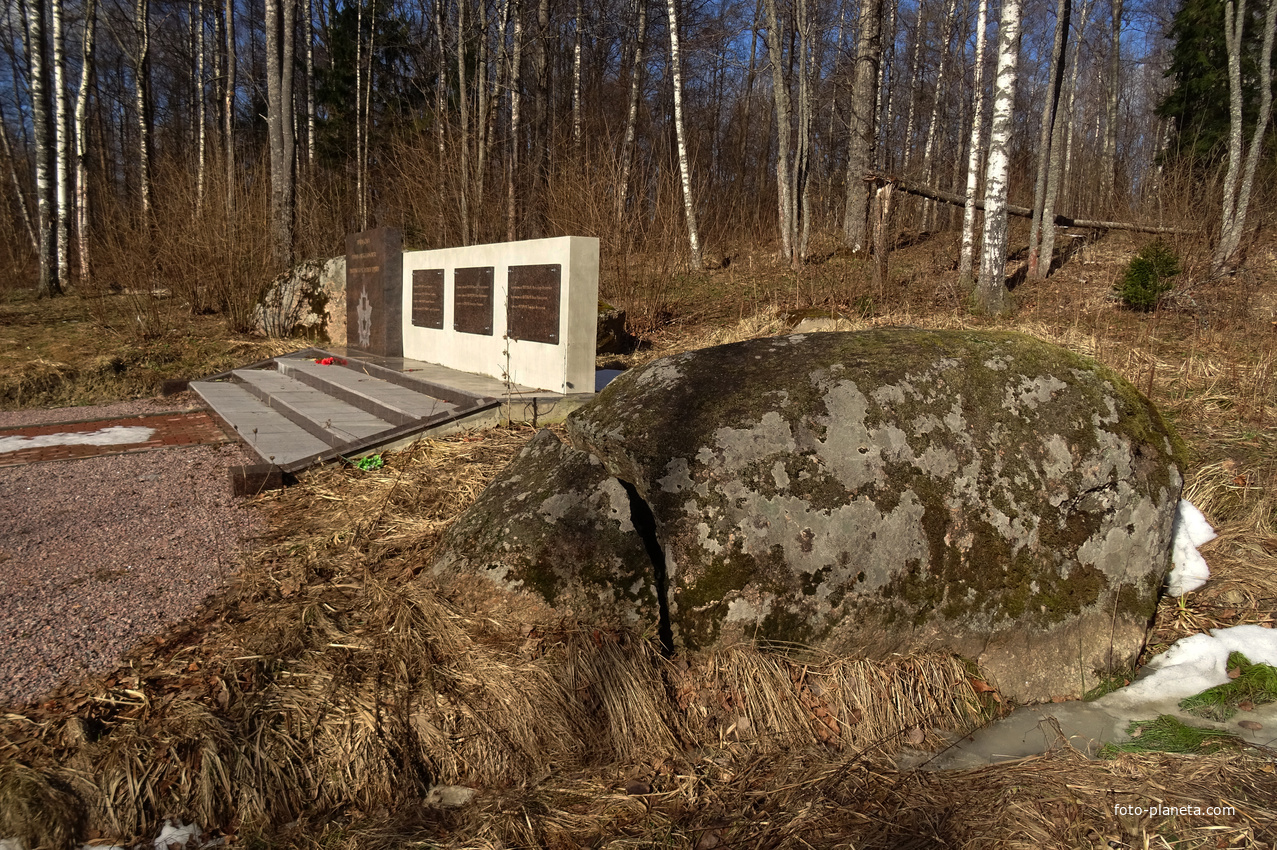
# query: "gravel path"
[[139, 407], [97, 554]]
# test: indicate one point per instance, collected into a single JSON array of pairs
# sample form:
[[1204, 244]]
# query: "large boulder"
[[898, 490], [309, 300], [558, 531]]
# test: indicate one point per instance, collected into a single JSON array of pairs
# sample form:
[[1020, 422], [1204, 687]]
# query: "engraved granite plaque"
[[472, 300], [427, 298], [374, 282], [534, 303]]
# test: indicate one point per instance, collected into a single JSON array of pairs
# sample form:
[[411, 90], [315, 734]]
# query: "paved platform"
[[295, 411], [72, 440]]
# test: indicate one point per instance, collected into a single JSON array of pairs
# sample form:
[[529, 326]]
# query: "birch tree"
[[44, 139], [966, 261], [512, 173], [860, 123], [142, 100], [228, 107], [991, 290], [62, 149], [1113, 86], [1240, 178], [680, 132], [196, 13], [631, 113], [82, 143], [1061, 146], [1054, 84], [6, 148]]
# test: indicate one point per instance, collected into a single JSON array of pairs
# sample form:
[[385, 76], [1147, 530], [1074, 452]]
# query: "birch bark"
[[1237, 191], [684, 166], [228, 110], [82, 144], [1047, 137], [43, 138], [62, 150], [991, 291], [1108, 155], [631, 115], [516, 143], [141, 91]]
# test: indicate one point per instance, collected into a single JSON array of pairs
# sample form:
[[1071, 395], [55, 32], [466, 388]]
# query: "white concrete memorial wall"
[[522, 311]]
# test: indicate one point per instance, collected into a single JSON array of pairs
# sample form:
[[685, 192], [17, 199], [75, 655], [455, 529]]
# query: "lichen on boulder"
[[551, 537], [893, 491]]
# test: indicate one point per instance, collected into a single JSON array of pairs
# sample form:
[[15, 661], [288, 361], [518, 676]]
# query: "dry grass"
[[316, 703]]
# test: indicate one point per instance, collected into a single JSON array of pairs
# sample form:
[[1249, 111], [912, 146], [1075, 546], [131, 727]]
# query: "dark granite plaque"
[[427, 298], [374, 291], [472, 301], [533, 310]]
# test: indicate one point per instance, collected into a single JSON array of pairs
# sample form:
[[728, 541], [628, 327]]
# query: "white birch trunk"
[[802, 156], [228, 110], [62, 153], [440, 102], [915, 66], [991, 291], [309, 34], [631, 115], [1237, 191], [684, 166], [42, 125], [966, 261], [1108, 155], [141, 86], [942, 74], [576, 80], [201, 117], [82, 145]]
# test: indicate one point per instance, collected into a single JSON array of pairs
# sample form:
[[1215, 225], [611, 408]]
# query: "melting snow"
[[114, 436], [1191, 530]]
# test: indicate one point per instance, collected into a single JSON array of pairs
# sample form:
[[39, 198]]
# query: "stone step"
[[353, 385], [331, 420], [269, 433]]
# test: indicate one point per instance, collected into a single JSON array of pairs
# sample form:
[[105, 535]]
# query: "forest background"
[[200, 147]]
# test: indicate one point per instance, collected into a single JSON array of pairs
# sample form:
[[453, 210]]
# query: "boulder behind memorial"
[[893, 491], [309, 300]]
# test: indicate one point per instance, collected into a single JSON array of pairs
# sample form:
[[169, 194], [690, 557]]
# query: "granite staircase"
[[294, 412]]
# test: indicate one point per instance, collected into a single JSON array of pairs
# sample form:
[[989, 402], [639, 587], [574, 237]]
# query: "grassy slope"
[[323, 646]]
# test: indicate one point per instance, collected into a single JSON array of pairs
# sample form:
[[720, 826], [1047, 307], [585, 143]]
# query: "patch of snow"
[[175, 834], [1194, 664], [114, 436], [1189, 570]]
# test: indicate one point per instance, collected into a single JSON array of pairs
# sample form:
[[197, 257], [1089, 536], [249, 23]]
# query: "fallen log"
[[911, 188]]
